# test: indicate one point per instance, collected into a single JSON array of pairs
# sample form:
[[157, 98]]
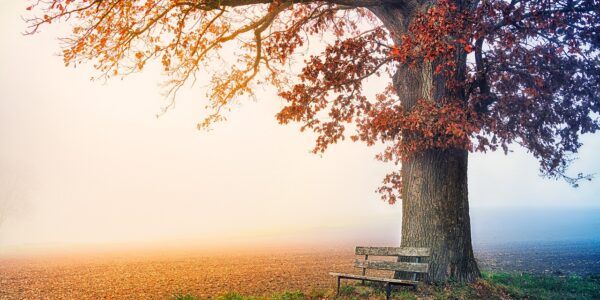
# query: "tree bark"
[[435, 208], [435, 213]]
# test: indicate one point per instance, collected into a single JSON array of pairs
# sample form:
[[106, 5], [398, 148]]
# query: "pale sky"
[[89, 163]]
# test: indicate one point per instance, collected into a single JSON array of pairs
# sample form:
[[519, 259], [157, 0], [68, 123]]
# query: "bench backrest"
[[412, 267]]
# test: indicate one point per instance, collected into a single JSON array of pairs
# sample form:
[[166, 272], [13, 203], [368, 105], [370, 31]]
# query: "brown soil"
[[160, 277]]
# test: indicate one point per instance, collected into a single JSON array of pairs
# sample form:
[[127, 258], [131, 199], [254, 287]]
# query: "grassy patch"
[[528, 286], [275, 296], [288, 296], [184, 297], [490, 286]]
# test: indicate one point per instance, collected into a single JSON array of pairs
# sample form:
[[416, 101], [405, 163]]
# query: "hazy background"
[[87, 163]]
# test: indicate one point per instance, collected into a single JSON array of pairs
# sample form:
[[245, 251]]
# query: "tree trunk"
[[435, 212], [435, 208]]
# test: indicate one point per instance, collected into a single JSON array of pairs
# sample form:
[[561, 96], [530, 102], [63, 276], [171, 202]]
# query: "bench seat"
[[403, 263], [371, 278]]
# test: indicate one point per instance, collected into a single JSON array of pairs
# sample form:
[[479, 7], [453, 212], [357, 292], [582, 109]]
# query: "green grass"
[[490, 286], [276, 296], [527, 286]]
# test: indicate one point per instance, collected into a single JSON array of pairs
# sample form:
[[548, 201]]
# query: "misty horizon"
[[491, 228]]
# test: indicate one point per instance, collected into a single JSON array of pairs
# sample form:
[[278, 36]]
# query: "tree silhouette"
[[14, 192]]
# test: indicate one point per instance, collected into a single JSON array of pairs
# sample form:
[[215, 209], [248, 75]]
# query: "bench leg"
[[388, 291], [337, 291]]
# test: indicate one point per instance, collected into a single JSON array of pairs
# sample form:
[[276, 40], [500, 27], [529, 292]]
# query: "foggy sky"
[[90, 163]]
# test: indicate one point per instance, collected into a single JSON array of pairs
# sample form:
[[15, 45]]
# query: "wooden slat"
[[392, 265], [372, 278], [393, 251]]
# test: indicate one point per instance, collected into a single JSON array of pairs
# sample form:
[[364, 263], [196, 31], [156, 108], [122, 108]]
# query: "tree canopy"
[[528, 71]]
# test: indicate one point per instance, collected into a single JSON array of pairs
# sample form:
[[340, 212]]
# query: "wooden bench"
[[413, 268]]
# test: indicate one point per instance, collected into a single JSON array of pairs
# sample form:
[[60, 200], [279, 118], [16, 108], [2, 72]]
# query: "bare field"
[[160, 277], [162, 274]]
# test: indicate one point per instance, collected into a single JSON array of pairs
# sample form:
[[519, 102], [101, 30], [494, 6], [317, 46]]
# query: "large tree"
[[465, 75]]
